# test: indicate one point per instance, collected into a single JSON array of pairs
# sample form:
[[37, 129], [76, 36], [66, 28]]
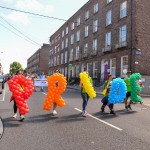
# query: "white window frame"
[[78, 21], [71, 55], [66, 56], [66, 43], [78, 36], [123, 9], [109, 18], [95, 8], [63, 33], [62, 45], [124, 67], [108, 40], [95, 69], [72, 26], [113, 73], [122, 35], [87, 14], [67, 30], [86, 31], [94, 44], [72, 38], [77, 52], [95, 25]]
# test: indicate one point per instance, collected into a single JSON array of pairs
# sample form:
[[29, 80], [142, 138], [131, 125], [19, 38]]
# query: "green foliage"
[[14, 67]]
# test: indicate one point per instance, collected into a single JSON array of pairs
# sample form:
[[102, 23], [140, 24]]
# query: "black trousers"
[[15, 107], [105, 103]]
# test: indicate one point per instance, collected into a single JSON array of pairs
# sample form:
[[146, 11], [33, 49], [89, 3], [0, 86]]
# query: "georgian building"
[[38, 62], [105, 36]]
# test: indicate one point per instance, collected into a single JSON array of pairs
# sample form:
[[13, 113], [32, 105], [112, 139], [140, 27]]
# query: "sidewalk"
[[97, 89]]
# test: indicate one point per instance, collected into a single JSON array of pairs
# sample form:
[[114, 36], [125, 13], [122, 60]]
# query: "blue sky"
[[38, 29]]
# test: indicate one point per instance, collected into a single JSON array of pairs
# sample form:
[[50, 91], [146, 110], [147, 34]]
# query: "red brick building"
[[103, 36], [38, 62]]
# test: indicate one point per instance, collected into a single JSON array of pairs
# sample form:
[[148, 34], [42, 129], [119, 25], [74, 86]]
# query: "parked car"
[[1, 83]]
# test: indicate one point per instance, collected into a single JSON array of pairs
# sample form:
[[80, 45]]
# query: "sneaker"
[[129, 107], [102, 109], [112, 112], [54, 112], [126, 107], [21, 118], [14, 116], [84, 114]]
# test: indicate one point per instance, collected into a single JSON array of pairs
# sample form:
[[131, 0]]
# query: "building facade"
[[38, 62], [105, 36]]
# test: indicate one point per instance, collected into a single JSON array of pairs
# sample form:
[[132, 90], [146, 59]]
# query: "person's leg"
[[105, 101], [126, 100], [54, 108], [129, 105], [111, 106], [85, 98], [15, 109]]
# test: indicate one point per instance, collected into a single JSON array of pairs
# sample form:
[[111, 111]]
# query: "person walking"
[[128, 94], [85, 95], [42, 77], [55, 104], [106, 94], [19, 72]]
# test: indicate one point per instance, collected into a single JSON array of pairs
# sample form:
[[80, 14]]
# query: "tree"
[[14, 67]]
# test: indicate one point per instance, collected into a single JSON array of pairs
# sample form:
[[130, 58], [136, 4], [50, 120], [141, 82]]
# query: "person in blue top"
[[42, 76]]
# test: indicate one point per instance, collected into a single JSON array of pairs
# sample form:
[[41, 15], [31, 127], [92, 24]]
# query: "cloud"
[[34, 5], [8, 1], [17, 17]]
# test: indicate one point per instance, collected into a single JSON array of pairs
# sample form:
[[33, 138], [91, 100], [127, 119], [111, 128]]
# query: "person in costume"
[[54, 104], [84, 95], [107, 86], [128, 94], [19, 72]]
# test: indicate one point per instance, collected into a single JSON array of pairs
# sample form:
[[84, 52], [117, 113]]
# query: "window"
[[54, 61], [62, 58], [86, 31], [122, 36], [95, 45], [77, 52], [108, 17], [123, 9], [95, 26], [72, 38], [78, 36], [95, 69], [78, 21], [63, 33], [108, 1], [72, 26], [66, 73], [124, 65], [66, 30], [113, 67], [77, 70], [66, 56], [71, 55], [62, 45], [87, 14], [85, 47], [108, 41], [58, 60], [66, 43], [96, 8]]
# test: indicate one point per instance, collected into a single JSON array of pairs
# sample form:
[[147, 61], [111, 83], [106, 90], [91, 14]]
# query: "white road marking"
[[44, 93], [101, 120]]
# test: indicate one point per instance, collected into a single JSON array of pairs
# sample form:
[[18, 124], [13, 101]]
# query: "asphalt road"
[[69, 131]]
